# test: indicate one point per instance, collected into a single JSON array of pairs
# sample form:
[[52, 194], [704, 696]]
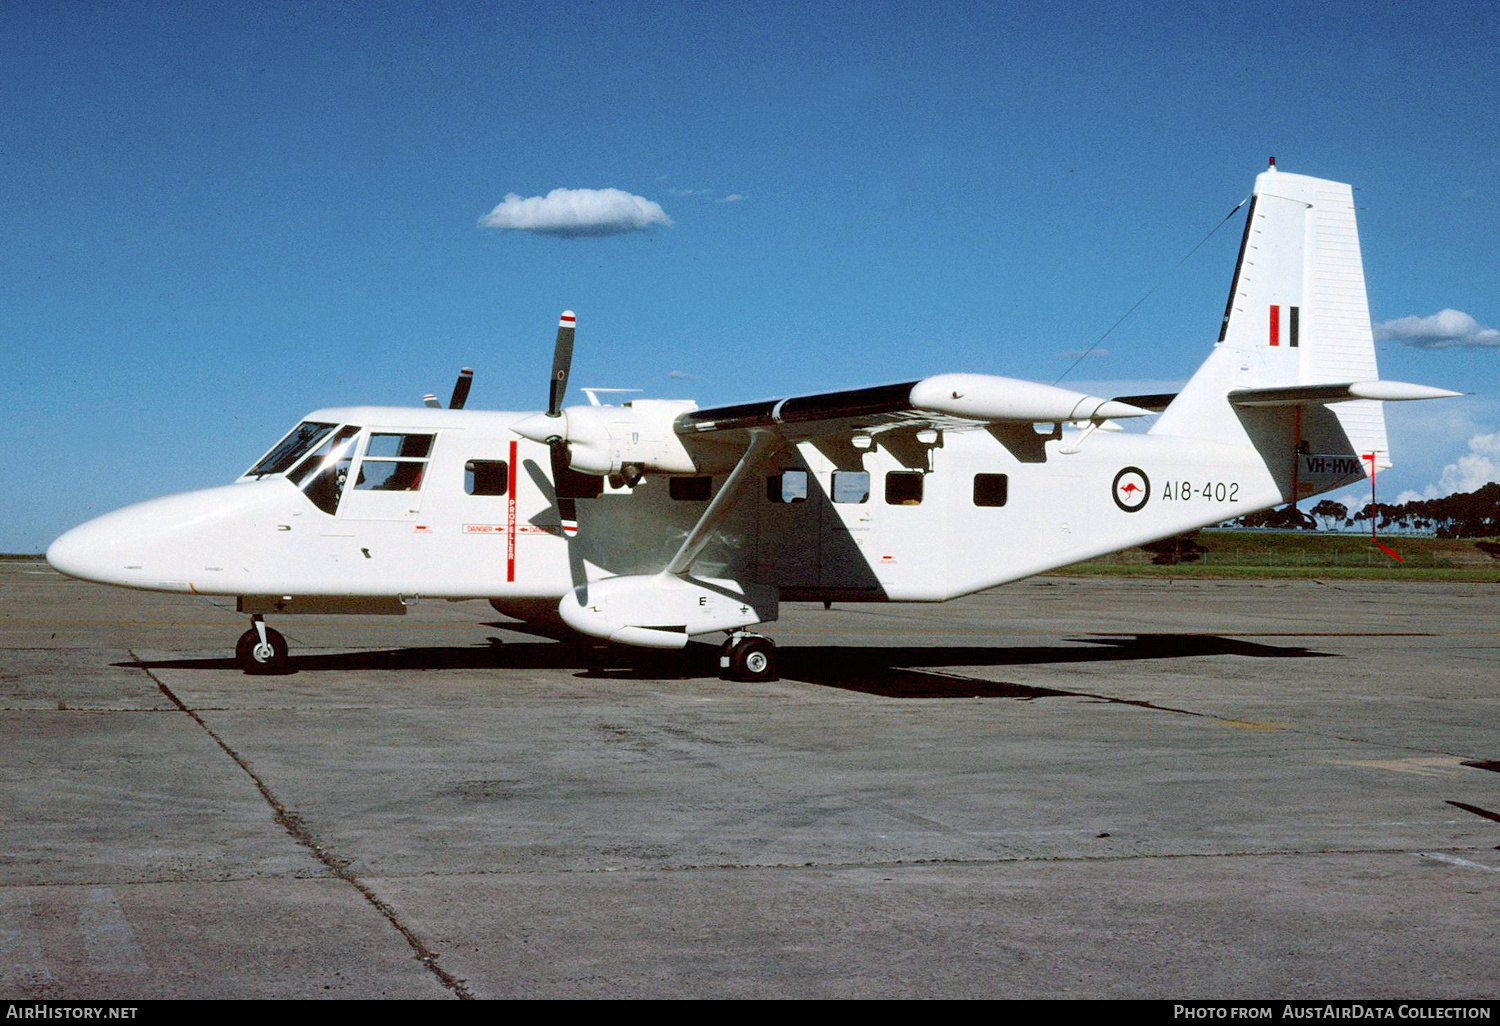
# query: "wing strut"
[[762, 444]]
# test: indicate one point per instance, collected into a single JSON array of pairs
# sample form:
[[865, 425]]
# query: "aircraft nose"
[[86, 553], [164, 544]]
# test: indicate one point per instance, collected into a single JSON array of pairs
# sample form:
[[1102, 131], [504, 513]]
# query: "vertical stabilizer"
[[1297, 315]]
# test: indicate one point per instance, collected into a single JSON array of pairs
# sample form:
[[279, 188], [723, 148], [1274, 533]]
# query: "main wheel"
[[257, 658], [753, 658]]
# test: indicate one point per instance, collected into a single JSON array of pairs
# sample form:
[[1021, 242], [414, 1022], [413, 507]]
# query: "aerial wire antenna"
[[1082, 356]]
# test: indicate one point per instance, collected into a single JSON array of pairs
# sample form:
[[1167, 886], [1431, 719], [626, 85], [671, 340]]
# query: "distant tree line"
[[1473, 514]]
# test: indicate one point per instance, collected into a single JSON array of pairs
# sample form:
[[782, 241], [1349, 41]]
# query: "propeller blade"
[[567, 508], [430, 400], [461, 389], [562, 360]]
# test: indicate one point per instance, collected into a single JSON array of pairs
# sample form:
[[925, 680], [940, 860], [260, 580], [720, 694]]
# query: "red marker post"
[[1374, 514]]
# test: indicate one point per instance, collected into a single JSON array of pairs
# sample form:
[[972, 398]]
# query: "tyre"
[[259, 659], [754, 659]]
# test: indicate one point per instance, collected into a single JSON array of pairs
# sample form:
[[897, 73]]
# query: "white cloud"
[[1476, 468], [576, 212], [733, 197], [1479, 466], [678, 375], [1352, 501], [1446, 329]]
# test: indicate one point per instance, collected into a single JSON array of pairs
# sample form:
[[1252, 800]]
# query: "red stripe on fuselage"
[[1275, 325], [510, 516]]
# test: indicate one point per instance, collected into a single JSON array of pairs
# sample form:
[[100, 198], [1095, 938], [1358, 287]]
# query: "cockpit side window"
[[394, 462], [385, 444], [322, 475], [291, 448]]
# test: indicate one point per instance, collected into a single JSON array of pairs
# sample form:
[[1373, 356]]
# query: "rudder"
[[1297, 315]]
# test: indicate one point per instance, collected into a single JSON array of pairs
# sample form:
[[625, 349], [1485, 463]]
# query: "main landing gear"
[[747, 656], [261, 650]]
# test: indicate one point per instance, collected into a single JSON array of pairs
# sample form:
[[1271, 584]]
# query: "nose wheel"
[[261, 650], [747, 656]]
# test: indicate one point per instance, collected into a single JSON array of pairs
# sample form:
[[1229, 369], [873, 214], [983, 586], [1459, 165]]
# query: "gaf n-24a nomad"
[[653, 521]]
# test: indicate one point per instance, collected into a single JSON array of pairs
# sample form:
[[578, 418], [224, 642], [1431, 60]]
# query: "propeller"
[[562, 360], [460, 392], [461, 389], [557, 445]]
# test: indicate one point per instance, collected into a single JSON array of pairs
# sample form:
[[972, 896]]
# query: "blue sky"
[[221, 216]]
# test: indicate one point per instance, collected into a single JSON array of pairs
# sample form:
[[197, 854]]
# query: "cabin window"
[[393, 462], [852, 486], [690, 489], [486, 477], [903, 487], [787, 486], [291, 448], [322, 475], [991, 489]]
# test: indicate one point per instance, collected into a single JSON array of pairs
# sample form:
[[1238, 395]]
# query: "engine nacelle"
[[664, 610], [605, 439]]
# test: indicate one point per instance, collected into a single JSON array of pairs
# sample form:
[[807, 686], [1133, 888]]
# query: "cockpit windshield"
[[322, 475], [291, 448]]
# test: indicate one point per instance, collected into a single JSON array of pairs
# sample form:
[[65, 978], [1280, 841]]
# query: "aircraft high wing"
[[653, 521], [952, 401]]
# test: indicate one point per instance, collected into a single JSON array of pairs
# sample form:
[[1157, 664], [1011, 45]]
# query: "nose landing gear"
[[749, 657], [261, 650]]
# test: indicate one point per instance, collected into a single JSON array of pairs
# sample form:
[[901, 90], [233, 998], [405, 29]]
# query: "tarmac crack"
[[833, 864], [995, 860], [300, 833]]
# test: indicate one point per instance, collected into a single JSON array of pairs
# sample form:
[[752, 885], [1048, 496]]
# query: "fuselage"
[[431, 503]]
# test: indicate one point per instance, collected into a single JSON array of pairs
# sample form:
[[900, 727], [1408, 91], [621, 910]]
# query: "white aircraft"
[[653, 521]]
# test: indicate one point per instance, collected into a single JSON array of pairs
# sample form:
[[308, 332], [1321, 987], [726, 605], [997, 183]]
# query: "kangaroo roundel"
[[1131, 489]]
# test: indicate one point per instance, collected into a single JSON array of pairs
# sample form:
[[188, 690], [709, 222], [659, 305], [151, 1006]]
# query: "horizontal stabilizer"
[[1297, 395]]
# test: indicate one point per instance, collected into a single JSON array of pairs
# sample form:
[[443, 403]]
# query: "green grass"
[[1301, 555]]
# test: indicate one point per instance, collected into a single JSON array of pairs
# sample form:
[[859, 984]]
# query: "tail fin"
[[1297, 316]]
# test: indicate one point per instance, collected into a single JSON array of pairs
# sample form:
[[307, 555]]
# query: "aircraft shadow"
[[886, 672]]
